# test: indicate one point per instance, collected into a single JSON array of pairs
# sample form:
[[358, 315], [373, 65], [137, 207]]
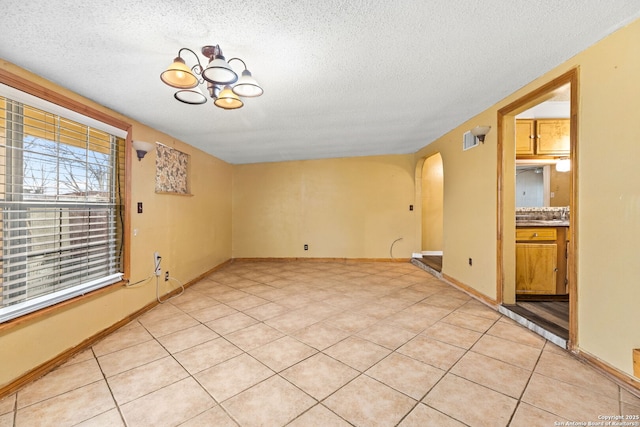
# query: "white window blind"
[[60, 208]]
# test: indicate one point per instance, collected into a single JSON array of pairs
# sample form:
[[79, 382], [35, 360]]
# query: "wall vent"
[[469, 141]]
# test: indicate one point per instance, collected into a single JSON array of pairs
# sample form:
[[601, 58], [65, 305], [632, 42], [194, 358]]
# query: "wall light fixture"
[[142, 148], [480, 132], [223, 84]]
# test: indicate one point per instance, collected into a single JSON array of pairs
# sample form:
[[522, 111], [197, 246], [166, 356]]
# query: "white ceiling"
[[341, 77]]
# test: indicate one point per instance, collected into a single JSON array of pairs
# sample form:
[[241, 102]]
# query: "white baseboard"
[[432, 253]]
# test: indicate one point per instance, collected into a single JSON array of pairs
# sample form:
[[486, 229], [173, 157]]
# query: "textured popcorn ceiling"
[[341, 78]]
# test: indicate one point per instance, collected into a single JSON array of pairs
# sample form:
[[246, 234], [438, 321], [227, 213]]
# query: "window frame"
[[92, 116]]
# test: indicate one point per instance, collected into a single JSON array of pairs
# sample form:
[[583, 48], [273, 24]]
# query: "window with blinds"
[[60, 208]]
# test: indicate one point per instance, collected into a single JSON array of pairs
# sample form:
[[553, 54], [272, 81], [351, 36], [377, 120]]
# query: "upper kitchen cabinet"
[[525, 137], [543, 137], [553, 137]]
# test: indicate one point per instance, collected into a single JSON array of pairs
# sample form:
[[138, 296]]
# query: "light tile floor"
[[319, 344]]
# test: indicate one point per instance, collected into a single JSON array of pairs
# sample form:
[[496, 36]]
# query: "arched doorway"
[[432, 183]]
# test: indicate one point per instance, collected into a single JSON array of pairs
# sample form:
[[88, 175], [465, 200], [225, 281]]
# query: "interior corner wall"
[[341, 208], [191, 233], [608, 204]]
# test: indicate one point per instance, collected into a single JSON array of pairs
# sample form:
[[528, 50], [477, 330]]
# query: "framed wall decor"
[[172, 171]]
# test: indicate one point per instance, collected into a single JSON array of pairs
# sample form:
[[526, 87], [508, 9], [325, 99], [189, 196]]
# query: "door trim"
[[511, 109]]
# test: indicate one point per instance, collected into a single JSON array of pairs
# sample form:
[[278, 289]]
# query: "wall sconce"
[[142, 148], [480, 131]]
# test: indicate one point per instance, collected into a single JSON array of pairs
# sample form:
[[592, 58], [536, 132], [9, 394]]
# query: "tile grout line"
[[318, 351], [524, 389], [48, 398], [363, 373], [221, 404], [448, 371], [169, 354], [15, 410], [115, 402], [192, 376]]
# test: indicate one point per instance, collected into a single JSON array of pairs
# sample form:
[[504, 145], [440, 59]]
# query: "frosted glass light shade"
[[178, 75], [142, 148], [219, 72], [247, 86], [480, 130]]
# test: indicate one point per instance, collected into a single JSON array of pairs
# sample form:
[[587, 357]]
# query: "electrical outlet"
[[166, 276], [156, 264], [470, 261], [306, 247], [410, 207], [139, 207]]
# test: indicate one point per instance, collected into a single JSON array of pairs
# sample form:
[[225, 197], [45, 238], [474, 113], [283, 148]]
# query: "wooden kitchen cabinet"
[[536, 268], [543, 137], [536, 234], [553, 137], [525, 137], [541, 260]]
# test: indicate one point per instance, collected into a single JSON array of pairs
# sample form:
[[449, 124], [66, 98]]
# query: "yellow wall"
[[341, 208], [432, 203], [192, 234], [608, 206], [469, 205], [609, 198]]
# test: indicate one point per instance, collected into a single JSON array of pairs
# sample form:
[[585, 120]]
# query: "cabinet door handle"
[[535, 234]]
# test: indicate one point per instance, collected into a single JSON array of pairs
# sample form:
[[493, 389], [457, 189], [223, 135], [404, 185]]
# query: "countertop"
[[543, 223]]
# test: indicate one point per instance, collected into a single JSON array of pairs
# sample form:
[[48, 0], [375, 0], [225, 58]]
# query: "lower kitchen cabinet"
[[541, 260], [536, 268]]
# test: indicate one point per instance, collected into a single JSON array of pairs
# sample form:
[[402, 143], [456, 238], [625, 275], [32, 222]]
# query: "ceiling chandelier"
[[223, 84]]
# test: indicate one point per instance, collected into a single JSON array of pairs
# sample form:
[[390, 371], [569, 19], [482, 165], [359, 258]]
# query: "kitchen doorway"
[[536, 242]]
